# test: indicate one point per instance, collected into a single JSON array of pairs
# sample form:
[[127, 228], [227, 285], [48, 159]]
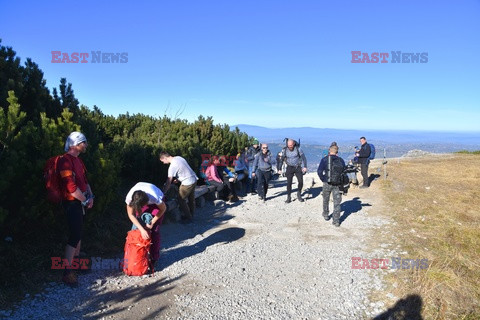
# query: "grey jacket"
[[263, 162], [294, 158]]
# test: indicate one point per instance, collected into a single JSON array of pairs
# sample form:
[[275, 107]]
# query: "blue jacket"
[[322, 167], [240, 163]]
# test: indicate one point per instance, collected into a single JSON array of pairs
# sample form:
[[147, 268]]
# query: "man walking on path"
[[296, 165], [262, 168], [363, 158], [330, 171], [181, 171]]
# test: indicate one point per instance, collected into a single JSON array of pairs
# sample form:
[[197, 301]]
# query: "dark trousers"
[[337, 200], [74, 211], [250, 180], [220, 187], [263, 177], [364, 171], [290, 172], [230, 186]]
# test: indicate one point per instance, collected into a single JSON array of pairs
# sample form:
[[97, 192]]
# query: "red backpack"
[[53, 180], [136, 261]]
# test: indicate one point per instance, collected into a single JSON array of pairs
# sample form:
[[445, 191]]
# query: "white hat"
[[74, 139]]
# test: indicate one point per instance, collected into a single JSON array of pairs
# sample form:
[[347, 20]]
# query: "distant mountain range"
[[319, 136], [315, 141]]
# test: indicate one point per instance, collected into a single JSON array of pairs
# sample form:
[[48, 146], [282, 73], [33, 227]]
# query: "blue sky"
[[268, 63]]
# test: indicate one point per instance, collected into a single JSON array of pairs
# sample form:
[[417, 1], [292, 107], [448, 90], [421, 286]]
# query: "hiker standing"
[[296, 165], [262, 168], [181, 171], [251, 152], [77, 197], [330, 171], [363, 158], [145, 198]]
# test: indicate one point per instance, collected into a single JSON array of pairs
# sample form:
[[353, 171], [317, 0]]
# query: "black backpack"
[[335, 171]]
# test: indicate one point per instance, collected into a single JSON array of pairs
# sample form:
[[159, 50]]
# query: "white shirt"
[[180, 169], [155, 195]]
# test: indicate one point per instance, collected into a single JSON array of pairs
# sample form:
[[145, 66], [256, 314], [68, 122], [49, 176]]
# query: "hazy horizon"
[[264, 62]]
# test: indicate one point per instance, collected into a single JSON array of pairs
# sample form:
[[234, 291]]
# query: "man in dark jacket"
[[328, 164], [251, 152], [363, 158]]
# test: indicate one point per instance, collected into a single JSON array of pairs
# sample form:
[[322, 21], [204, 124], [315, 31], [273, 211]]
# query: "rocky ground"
[[248, 260]]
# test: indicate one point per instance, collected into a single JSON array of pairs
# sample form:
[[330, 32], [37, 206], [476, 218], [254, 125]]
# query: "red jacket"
[[73, 174]]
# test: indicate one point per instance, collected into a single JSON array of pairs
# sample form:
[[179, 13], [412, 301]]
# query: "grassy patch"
[[435, 203], [468, 152]]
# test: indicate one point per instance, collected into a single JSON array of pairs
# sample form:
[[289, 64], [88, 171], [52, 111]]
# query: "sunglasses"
[[264, 147]]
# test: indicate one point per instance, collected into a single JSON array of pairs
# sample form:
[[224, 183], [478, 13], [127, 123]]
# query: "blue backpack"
[[372, 152]]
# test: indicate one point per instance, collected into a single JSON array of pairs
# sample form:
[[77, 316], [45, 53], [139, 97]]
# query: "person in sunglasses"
[[262, 169]]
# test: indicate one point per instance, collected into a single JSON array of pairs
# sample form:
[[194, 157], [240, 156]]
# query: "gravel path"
[[249, 260]]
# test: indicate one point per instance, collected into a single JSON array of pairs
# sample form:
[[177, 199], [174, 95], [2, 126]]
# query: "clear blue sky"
[[268, 63]]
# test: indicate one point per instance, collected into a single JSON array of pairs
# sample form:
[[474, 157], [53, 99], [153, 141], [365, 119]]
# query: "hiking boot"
[[260, 197], [70, 279], [326, 217], [288, 200], [336, 223], [299, 197]]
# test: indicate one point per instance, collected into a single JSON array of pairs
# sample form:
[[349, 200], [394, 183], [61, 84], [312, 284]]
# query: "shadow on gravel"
[[315, 192], [352, 206], [278, 184], [130, 295], [223, 236], [408, 308], [284, 193], [372, 178]]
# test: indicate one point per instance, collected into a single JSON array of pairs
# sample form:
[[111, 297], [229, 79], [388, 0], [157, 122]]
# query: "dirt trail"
[[249, 260]]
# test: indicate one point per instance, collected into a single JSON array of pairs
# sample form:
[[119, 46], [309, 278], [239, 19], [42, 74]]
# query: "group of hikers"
[[145, 202], [254, 167]]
